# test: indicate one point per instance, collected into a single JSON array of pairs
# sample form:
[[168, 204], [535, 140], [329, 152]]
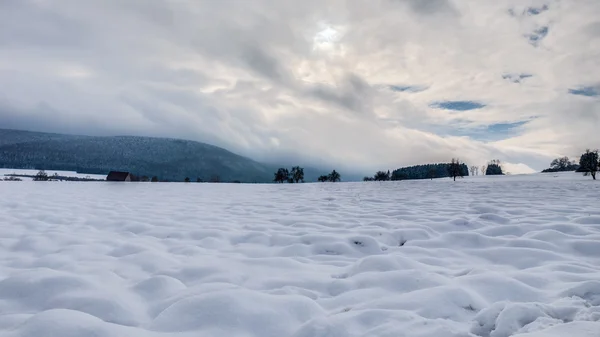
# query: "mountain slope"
[[166, 158]]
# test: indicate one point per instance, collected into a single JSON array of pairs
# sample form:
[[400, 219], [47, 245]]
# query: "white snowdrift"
[[487, 257]]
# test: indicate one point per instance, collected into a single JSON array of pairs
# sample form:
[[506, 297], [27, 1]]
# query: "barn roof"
[[117, 176]]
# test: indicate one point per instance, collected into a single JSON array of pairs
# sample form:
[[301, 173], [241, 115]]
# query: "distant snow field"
[[482, 256], [7, 171]]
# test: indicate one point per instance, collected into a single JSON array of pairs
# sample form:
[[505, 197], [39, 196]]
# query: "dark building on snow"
[[118, 176]]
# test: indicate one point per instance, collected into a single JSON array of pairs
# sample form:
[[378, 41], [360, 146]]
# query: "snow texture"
[[5, 172], [479, 257]]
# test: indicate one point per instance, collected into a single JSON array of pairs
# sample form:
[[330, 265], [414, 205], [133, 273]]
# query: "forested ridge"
[[169, 159]]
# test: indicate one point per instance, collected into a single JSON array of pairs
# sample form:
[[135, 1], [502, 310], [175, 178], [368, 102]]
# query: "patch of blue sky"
[[487, 133], [537, 35], [585, 91], [504, 127], [536, 10], [458, 105], [406, 88]]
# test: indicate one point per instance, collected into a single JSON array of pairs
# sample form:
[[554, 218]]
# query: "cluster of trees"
[[589, 164], [562, 164], [379, 176], [41, 175], [213, 179], [441, 170], [296, 175], [429, 171], [493, 168], [333, 177]]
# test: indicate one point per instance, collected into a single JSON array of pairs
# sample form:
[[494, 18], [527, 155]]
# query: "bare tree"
[[483, 169], [473, 169], [455, 169]]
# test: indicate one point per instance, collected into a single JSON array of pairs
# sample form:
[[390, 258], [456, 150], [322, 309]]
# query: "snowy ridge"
[[487, 257]]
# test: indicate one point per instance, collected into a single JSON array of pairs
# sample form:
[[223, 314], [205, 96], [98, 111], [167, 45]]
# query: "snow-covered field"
[[482, 256], [5, 171]]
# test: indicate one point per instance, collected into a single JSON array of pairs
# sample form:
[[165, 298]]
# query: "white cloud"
[[309, 81]]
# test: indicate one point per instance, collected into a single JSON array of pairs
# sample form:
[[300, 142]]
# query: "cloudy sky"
[[368, 85]]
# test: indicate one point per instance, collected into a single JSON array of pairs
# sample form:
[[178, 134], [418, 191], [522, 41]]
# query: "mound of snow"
[[504, 256]]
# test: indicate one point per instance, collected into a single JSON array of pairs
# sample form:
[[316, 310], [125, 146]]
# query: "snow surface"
[[482, 256], [6, 171]]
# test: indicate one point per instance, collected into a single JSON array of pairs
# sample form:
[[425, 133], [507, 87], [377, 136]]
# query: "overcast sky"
[[371, 85]]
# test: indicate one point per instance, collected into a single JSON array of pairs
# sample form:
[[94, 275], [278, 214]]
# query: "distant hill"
[[170, 159]]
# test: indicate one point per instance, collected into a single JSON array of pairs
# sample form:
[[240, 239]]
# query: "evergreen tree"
[[428, 171], [297, 174], [282, 175], [334, 176], [494, 168], [431, 173], [323, 178]]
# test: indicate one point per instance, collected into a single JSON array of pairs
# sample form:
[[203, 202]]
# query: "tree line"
[[455, 168], [589, 164], [562, 164], [296, 175]]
